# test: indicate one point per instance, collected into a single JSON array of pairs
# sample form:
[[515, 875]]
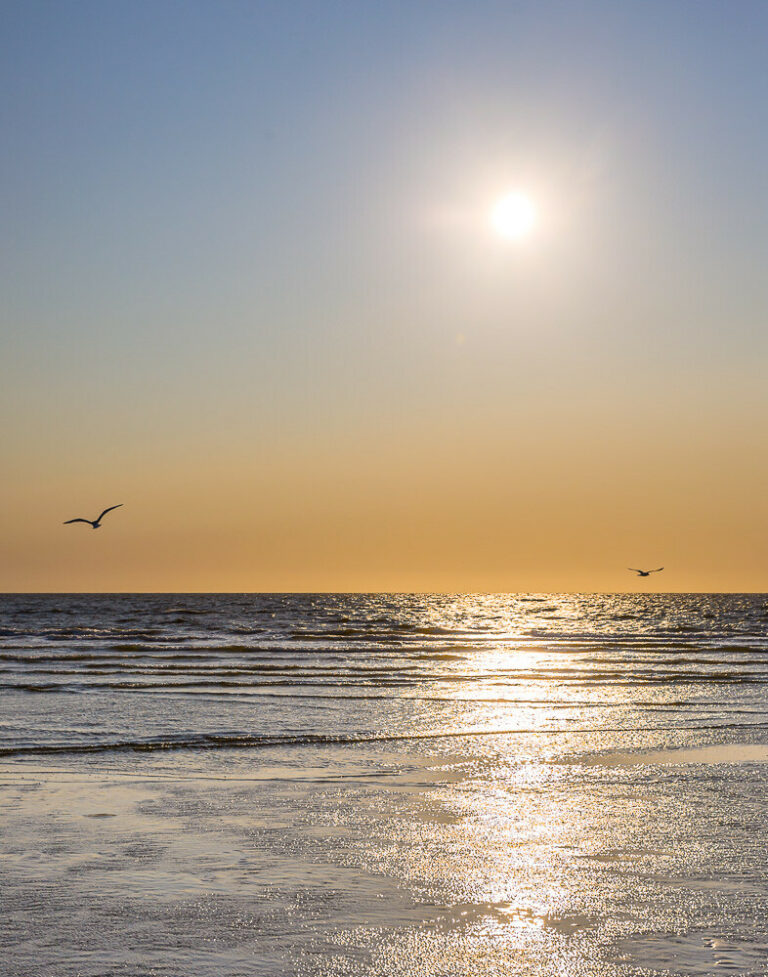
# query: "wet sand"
[[329, 861]]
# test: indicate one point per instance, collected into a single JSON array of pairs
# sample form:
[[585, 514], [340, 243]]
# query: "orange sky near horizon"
[[564, 505]]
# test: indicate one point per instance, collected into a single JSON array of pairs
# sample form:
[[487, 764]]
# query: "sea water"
[[200, 785]]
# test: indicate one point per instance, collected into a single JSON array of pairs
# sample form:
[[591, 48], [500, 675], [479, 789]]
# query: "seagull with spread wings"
[[95, 523], [644, 573]]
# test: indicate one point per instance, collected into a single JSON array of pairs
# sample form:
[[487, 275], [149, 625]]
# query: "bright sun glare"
[[514, 216]]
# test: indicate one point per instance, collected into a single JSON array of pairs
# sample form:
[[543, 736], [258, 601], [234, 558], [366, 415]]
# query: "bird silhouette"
[[644, 573], [95, 523]]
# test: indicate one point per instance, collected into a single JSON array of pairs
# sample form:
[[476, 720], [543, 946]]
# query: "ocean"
[[236, 784]]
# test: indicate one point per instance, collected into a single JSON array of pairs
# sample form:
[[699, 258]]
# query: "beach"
[[384, 784]]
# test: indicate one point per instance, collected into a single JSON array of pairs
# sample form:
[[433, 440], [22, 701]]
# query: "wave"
[[249, 741], [195, 683]]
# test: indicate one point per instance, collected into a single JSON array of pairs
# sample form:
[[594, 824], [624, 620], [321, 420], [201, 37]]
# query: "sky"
[[251, 290]]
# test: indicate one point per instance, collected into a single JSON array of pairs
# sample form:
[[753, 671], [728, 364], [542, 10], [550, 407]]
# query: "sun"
[[514, 216]]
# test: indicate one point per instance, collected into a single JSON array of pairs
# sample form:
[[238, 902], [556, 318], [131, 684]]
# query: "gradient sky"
[[250, 291]]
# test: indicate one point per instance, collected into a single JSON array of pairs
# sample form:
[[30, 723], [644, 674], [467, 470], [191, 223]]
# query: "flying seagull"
[[644, 573], [95, 523]]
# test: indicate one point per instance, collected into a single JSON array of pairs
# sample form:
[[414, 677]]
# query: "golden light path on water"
[[519, 833]]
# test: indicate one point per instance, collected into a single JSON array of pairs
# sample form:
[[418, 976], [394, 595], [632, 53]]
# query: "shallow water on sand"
[[235, 784]]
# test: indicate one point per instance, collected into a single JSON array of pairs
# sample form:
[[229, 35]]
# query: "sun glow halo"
[[514, 216]]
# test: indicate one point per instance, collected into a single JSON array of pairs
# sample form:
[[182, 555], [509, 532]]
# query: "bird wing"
[[108, 510], [634, 570], [78, 520], [656, 570]]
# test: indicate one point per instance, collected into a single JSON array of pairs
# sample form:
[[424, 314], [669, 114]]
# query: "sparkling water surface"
[[384, 784]]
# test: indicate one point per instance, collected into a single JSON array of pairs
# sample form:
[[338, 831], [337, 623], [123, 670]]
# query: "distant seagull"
[[644, 573], [95, 523]]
